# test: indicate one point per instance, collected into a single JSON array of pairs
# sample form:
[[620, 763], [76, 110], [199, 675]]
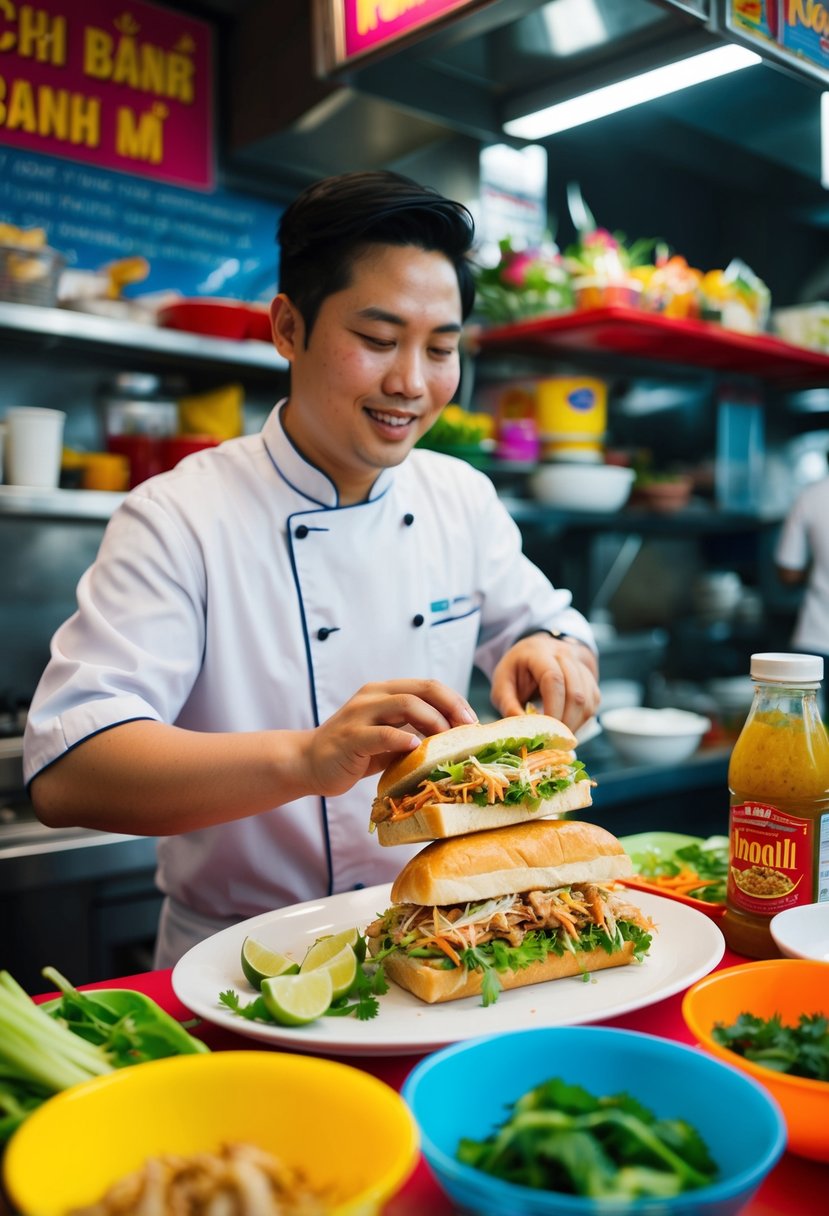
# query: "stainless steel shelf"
[[64, 328], [30, 503]]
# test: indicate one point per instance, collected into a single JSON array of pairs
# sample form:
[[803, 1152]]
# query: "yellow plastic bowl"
[[316, 1115], [786, 986]]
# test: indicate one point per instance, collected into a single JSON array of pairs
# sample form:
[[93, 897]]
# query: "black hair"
[[326, 228]]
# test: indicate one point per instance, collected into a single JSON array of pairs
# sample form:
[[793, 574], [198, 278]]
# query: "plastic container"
[[466, 1090], [778, 780], [782, 987], [105, 471], [30, 276], [572, 416]]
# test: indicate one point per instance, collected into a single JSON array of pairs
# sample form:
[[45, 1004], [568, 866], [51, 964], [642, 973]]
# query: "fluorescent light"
[[626, 93]]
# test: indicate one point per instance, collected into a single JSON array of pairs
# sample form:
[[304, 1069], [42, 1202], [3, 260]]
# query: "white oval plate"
[[686, 947]]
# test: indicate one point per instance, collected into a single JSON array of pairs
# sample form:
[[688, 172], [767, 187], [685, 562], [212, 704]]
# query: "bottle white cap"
[[787, 668]]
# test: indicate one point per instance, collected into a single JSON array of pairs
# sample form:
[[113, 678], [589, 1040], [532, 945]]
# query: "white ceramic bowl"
[[803, 932], [654, 736], [583, 487]]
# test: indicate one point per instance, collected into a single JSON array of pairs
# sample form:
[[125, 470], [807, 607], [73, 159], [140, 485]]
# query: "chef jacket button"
[[323, 633], [417, 621], [301, 532], [408, 519], [359, 886]]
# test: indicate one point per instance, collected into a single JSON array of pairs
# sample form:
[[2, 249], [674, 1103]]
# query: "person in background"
[[802, 558], [266, 626]]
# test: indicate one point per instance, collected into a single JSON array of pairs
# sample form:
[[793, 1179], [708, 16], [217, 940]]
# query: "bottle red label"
[[770, 859]]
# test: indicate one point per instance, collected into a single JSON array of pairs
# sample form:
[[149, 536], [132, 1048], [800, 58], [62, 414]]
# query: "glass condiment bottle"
[[778, 779]]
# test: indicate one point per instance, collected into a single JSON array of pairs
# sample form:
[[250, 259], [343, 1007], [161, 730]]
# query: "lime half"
[[260, 963], [295, 1000], [326, 947]]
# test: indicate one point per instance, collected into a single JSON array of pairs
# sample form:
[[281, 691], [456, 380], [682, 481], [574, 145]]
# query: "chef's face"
[[380, 364]]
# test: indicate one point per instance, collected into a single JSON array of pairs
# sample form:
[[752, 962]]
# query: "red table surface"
[[796, 1187]]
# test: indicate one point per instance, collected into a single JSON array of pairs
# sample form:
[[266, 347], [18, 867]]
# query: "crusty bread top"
[[539, 855], [461, 741]]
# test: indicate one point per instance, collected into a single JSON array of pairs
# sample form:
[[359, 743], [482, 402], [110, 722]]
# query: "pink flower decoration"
[[600, 237], [515, 270]]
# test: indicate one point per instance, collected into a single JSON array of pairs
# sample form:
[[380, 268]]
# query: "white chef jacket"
[[804, 538], [234, 593]]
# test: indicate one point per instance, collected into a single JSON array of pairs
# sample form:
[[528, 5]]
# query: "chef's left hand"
[[561, 672]]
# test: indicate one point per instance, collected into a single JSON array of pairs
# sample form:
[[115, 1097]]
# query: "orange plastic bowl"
[[786, 986]]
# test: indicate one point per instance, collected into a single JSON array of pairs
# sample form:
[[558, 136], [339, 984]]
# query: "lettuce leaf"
[[498, 955]]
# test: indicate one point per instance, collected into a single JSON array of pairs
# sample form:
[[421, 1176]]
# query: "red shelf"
[[649, 336]]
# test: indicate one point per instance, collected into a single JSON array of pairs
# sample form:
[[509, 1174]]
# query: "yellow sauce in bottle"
[[778, 780]]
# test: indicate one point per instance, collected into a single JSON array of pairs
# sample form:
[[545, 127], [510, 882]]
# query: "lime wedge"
[[295, 1000], [259, 963], [342, 966], [332, 943]]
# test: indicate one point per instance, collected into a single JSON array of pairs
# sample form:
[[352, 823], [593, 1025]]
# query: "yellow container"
[[105, 471], [573, 407]]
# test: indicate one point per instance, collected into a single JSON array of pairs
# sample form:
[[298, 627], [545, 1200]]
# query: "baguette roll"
[[438, 820], [417, 800], [509, 907], [435, 985], [536, 856], [461, 741]]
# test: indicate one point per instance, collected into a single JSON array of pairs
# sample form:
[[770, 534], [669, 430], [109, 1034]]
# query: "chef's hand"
[[375, 726], [561, 672]]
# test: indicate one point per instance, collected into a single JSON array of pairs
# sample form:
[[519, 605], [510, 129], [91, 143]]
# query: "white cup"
[[34, 438]]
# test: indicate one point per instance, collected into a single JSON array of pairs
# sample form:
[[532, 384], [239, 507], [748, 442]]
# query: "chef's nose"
[[405, 378]]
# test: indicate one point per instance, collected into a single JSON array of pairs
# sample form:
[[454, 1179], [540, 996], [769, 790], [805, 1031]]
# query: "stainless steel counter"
[[32, 855], [82, 901]]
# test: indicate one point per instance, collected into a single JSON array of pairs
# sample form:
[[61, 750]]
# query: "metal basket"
[[30, 276]]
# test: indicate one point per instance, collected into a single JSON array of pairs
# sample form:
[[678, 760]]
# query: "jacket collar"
[[306, 478]]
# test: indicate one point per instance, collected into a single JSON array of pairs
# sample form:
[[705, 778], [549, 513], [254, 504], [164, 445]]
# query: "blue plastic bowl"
[[467, 1089]]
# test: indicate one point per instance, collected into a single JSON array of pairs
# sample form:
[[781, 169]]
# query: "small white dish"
[[654, 736], [803, 932]]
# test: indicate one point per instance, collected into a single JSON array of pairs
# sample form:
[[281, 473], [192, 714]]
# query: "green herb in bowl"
[[559, 1137], [800, 1051]]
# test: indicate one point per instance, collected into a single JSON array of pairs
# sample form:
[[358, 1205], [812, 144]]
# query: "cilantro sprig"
[[801, 1050]]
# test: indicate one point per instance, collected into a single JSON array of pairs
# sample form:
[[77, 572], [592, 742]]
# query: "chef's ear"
[[287, 325]]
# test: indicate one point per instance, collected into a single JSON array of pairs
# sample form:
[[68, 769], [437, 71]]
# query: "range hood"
[[507, 58], [461, 81]]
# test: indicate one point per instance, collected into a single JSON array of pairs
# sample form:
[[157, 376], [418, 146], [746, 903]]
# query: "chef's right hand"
[[379, 723]]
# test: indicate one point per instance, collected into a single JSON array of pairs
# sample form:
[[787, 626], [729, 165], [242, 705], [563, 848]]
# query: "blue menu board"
[[220, 243]]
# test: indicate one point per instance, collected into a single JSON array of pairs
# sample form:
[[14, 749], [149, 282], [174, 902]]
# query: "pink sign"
[[368, 25], [123, 85]]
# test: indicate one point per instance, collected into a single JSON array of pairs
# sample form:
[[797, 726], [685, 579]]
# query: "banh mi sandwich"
[[486, 775], [514, 906]]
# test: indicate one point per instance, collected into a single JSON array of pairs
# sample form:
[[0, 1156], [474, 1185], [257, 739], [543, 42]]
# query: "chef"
[[268, 624]]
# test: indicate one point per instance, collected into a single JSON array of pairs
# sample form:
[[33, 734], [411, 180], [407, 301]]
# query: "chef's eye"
[[378, 343]]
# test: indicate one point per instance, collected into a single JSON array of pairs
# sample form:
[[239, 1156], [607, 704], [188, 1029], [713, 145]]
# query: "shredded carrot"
[[679, 884], [443, 945]]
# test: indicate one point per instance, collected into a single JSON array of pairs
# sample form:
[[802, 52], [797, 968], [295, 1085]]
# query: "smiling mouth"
[[399, 421]]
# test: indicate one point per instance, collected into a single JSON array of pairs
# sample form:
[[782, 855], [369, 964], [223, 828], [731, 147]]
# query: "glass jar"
[[778, 779]]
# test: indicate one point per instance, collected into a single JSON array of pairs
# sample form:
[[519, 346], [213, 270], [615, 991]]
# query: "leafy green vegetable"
[[360, 1001], [708, 859], [508, 753], [559, 1137], [47, 1048], [801, 1051], [498, 955]]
